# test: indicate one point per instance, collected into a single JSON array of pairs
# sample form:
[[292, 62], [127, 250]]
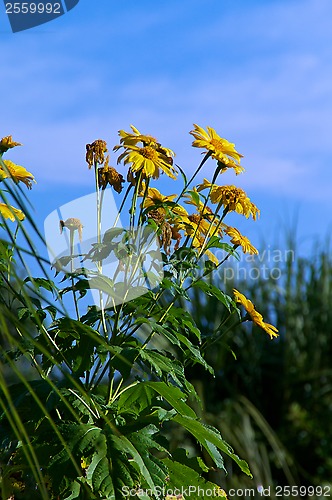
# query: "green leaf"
[[38, 283], [213, 291], [196, 353], [184, 480], [165, 367], [98, 473], [143, 442], [210, 438], [174, 396], [135, 399], [195, 196]]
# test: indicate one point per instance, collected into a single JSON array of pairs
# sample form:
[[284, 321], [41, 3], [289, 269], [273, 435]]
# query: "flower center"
[[218, 144], [195, 218], [149, 153]]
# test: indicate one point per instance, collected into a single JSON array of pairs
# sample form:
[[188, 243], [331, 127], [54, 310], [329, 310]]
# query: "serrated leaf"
[[186, 480], [213, 291], [206, 436]]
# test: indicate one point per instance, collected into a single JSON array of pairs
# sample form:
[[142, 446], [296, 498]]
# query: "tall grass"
[[274, 402]]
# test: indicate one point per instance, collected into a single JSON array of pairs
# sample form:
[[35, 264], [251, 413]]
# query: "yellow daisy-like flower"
[[95, 152], [154, 197], [8, 143], [12, 213], [148, 160], [17, 173], [232, 198], [220, 149], [109, 175], [239, 240], [256, 317], [132, 139]]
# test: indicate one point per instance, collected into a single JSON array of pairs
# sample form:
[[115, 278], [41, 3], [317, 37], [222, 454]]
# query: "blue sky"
[[258, 71]]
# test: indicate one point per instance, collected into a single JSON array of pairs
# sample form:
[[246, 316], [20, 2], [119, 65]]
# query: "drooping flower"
[[95, 152], [72, 224], [239, 240], [9, 212], [220, 149], [165, 229], [8, 143], [109, 175], [17, 173], [148, 160], [255, 316], [232, 198], [166, 214]]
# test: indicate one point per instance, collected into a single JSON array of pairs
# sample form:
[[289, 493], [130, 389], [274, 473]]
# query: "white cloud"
[[260, 76]]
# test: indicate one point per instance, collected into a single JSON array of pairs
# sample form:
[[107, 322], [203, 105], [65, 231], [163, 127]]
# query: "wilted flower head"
[[17, 173], [109, 175], [95, 152], [8, 143], [72, 224]]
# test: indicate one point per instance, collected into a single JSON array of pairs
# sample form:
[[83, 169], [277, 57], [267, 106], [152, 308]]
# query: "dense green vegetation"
[[274, 402]]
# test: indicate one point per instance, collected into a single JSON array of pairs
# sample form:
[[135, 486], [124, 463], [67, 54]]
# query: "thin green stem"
[[99, 200], [206, 157], [71, 238]]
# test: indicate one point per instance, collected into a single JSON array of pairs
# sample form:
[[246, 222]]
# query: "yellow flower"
[[109, 175], [232, 198], [131, 139], [256, 317], [95, 152], [220, 148], [8, 143], [149, 157], [239, 240], [17, 173], [148, 160], [9, 212], [155, 197]]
